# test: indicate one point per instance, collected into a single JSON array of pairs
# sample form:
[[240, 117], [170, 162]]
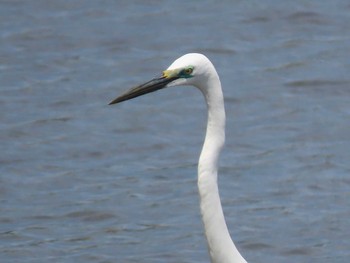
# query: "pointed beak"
[[148, 87]]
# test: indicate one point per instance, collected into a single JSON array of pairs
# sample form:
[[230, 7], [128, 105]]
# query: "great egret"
[[197, 70]]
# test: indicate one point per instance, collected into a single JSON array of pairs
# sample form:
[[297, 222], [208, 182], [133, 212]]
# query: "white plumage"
[[197, 70]]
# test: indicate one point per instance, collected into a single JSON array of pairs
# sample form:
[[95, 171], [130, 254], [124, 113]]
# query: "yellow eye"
[[188, 70]]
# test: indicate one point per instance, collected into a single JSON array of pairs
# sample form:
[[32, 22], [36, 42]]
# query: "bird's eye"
[[188, 71]]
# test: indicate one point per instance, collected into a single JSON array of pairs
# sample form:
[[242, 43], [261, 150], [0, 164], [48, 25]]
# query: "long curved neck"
[[220, 245]]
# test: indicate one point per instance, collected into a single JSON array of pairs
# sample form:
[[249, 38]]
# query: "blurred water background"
[[81, 181]]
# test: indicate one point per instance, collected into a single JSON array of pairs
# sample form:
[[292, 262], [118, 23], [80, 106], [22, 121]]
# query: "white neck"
[[220, 245]]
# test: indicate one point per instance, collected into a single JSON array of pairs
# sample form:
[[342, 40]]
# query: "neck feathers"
[[220, 245], [215, 133]]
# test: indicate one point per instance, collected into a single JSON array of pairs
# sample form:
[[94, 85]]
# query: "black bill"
[[150, 86]]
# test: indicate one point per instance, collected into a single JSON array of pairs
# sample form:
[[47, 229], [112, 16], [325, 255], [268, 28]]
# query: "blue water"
[[81, 181]]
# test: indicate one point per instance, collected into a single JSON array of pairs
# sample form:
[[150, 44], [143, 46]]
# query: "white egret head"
[[191, 69]]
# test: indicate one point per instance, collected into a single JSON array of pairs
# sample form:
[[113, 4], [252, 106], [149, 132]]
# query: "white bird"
[[197, 70]]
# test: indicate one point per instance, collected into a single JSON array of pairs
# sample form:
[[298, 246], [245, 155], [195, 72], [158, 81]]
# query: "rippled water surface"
[[81, 181]]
